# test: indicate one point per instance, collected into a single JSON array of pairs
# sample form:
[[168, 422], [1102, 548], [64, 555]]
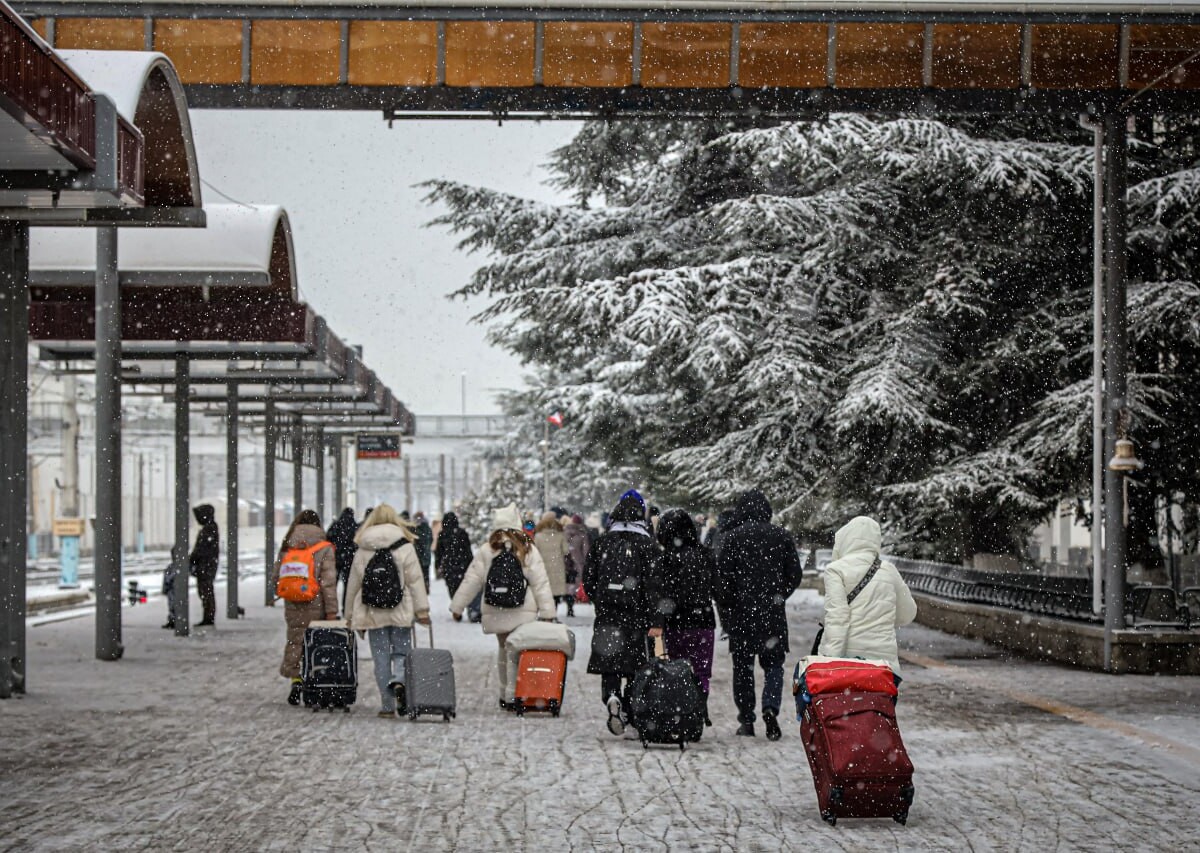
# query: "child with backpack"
[[510, 573], [385, 594], [305, 577]]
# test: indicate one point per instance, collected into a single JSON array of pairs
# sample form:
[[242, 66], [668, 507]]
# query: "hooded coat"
[[539, 603], [551, 543], [453, 552], [414, 603], [867, 627], [341, 534], [207, 550], [683, 588], [625, 605], [758, 567]]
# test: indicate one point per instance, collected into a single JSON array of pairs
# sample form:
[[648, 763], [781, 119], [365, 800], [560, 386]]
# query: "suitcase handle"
[[414, 633], [658, 649]]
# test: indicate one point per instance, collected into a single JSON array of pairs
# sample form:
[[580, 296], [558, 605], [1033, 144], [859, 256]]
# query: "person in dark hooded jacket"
[[683, 592], [617, 579], [341, 533], [453, 552], [757, 569], [202, 562]]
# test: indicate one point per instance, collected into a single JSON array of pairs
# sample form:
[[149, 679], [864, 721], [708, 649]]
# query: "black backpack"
[[506, 585], [382, 586], [618, 576]]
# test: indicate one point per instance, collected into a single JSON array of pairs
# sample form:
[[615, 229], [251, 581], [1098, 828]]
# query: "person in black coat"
[[453, 552], [683, 592], [617, 579], [757, 569], [341, 533], [202, 562]]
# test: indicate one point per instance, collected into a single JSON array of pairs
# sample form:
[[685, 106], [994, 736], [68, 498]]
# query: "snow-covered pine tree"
[[854, 314]]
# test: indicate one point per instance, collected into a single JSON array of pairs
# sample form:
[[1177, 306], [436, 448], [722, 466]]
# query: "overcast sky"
[[366, 263]]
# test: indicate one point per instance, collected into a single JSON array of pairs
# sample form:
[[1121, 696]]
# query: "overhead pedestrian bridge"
[[569, 58]]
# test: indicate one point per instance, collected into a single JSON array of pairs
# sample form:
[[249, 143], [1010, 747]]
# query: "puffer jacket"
[[539, 603], [865, 628], [414, 603], [305, 536]]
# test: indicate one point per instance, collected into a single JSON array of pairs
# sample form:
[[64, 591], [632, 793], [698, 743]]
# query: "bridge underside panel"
[[440, 60]]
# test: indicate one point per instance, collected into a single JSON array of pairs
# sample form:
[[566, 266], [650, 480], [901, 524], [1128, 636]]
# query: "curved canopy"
[[243, 246], [147, 92]]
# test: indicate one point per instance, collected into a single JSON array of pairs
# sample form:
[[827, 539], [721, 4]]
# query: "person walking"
[[865, 627], [305, 534], [389, 630], [579, 542], [509, 540], [757, 569], [202, 562], [551, 542], [453, 552], [616, 579], [424, 542], [683, 592], [341, 533]]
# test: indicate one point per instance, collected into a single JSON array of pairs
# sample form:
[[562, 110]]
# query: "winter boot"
[[746, 730], [616, 724], [771, 720], [297, 692], [401, 700], [707, 721]]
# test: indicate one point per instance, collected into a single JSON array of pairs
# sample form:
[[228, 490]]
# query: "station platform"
[[188, 744]]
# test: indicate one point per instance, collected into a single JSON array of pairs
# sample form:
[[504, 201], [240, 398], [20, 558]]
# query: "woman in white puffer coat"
[[502, 621], [388, 630], [865, 628]]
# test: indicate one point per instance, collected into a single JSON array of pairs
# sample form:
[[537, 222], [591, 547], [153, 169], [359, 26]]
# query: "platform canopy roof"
[[242, 246]]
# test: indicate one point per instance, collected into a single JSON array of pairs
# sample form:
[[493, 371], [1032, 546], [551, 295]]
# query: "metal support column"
[[442, 483], [108, 448], [14, 416], [269, 502], [297, 468], [232, 610], [339, 476], [1115, 371], [408, 507], [320, 441], [181, 601]]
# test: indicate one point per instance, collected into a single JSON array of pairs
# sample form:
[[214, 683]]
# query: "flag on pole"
[[556, 419]]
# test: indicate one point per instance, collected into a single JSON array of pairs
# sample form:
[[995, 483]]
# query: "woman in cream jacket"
[[539, 603], [389, 630]]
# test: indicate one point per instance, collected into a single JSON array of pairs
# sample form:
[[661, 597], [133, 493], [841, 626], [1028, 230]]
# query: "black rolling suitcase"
[[330, 666], [429, 680], [665, 702]]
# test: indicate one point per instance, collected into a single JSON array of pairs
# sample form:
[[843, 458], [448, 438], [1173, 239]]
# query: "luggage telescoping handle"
[[414, 633], [657, 649]]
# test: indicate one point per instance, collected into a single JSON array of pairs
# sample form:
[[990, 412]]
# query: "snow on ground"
[[188, 744]]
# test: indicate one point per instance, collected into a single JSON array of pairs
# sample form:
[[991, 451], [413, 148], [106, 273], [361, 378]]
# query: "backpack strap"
[[862, 584]]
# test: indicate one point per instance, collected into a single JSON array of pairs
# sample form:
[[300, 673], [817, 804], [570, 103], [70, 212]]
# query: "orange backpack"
[[298, 582]]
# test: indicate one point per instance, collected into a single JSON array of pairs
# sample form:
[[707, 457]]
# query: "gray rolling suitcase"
[[429, 680]]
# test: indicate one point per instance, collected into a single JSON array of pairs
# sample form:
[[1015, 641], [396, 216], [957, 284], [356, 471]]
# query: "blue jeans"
[[389, 648]]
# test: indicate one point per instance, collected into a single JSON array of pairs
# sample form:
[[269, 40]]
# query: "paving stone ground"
[[188, 745]]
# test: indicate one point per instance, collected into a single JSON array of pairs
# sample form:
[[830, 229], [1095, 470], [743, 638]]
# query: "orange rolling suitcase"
[[541, 678]]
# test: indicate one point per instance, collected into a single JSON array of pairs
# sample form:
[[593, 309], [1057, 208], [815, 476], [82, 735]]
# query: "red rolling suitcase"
[[859, 765], [541, 678]]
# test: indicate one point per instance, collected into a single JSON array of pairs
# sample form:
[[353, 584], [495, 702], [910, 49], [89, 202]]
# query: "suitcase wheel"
[[518, 707], [829, 817], [901, 818], [345, 709], [446, 716], [413, 713], [554, 707]]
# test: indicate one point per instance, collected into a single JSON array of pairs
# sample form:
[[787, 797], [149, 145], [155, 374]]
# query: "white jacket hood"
[[861, 535], [381, 535]]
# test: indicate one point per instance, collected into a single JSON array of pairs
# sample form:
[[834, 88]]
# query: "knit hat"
[[506, 518]]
